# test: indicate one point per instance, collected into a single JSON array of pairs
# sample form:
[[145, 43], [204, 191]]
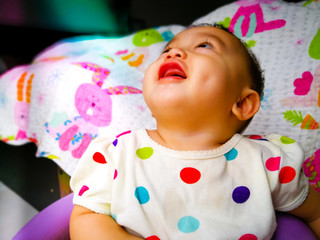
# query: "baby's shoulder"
[[276, 144]]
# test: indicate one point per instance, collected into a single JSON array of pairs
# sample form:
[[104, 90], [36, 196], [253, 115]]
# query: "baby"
[[195, 176]]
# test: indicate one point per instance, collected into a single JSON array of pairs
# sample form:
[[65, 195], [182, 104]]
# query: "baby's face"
[[201, 69]]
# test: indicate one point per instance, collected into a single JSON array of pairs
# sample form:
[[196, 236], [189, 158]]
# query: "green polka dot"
[[286, 140], [144, 153]]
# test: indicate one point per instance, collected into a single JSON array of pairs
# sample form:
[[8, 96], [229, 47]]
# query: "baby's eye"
[[166, 50], [205, 45]]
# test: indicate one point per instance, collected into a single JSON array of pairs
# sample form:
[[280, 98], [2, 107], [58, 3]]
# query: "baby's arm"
[[86, 224], [310, 211]]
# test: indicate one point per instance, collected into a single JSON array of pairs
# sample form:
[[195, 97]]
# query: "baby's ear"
[[247, 106]]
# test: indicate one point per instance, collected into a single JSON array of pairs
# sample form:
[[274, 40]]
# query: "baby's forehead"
[[224, 38]]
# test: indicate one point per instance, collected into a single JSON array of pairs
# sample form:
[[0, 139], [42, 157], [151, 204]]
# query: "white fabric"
[[224, 193]]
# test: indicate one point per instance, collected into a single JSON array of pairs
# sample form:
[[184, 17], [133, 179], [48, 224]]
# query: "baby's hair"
[[254, 66]]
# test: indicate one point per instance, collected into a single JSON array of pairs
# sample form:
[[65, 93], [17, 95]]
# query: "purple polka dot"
[[241, 194], [115, 142]]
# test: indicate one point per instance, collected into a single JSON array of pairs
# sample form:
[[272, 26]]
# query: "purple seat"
[[52, 223]]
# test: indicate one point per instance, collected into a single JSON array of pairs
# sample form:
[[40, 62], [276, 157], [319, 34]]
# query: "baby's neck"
[[188, 140]]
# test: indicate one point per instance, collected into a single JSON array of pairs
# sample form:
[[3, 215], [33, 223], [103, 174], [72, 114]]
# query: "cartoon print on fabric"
[[94, 106], [307, 122], [21, 108], [311, 167], [147, 37], [99, 73], [47, 155], [142, 40], [307, 2], [249, 19], [50, 59], [265, 101], [107, 57], [128, 56], [314, 49], [306, 91], [306, 95]]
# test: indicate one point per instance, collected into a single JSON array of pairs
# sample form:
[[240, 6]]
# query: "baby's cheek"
[[153, 68]]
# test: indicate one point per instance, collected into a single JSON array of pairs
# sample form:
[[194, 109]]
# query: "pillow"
[[77, 89], [53, 223], [286, 40]]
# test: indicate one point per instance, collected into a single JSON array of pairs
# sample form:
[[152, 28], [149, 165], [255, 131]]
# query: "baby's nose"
[[175, 52]]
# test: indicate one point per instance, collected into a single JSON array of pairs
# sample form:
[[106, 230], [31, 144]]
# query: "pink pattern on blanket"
[[249, 20], [94, 105], [306, 91], [311, 168], [99, 73], [303, 84]]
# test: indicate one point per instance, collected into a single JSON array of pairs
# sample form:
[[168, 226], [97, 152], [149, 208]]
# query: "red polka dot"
[[152, 238], [99, 158], [248, 237], [255, 137], [287, 174], [83, 190], [273, 164], [190, 175]]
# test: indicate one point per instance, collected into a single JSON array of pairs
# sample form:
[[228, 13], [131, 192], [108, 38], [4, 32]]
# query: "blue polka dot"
[[114, 217], [232, 154], [115, 142], [188, 224], [241, 194], [142, 195]]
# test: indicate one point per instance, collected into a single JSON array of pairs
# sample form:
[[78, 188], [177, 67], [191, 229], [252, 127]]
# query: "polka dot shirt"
[[230, 192]]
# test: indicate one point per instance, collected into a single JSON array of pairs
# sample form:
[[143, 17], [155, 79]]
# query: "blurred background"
[[29, 26]]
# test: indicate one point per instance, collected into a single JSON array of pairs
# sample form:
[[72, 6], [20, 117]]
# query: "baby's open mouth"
[[171, 70]]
